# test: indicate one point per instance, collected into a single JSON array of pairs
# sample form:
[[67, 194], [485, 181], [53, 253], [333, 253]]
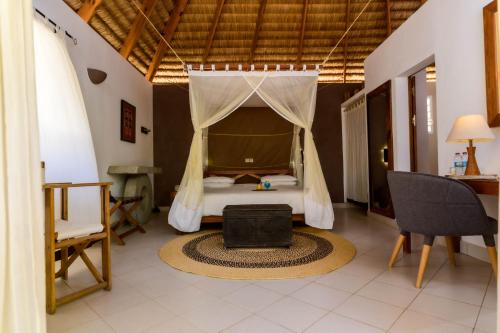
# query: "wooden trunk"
[[257, 225]]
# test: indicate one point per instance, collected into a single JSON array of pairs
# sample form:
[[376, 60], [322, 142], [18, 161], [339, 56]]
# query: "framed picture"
[[127, 122], [492, 62]]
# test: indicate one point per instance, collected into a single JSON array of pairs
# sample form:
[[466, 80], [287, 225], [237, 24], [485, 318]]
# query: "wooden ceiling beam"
[[168, 34], [88, 8], [258, 27], [302, 31], [137, 27], [347, 14], [388, 16], [213, 29]]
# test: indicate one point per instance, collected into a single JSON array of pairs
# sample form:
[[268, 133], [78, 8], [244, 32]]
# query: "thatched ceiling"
[[233, 32]]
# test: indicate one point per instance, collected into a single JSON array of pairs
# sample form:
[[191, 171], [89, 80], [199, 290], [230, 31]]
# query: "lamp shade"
[[472, 127]]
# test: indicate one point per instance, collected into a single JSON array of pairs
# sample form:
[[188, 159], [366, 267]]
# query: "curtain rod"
[[75, 41], [251, 67]]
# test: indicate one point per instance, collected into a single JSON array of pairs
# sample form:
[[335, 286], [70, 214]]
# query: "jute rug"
[[313, 252]]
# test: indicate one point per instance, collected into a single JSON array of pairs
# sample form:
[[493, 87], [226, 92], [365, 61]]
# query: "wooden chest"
[[257, 225]]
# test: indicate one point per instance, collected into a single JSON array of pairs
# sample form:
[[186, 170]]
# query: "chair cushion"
[[67, 229]]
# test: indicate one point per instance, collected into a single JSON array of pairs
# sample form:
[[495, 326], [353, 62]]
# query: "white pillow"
[[218, 185], [283, 183], [271, 178], [218, 180]]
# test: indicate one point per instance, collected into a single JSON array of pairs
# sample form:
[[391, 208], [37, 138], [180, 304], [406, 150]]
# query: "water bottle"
[[465, 158], [457, 163]]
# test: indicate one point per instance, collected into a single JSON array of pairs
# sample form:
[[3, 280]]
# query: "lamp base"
[[472, 168]]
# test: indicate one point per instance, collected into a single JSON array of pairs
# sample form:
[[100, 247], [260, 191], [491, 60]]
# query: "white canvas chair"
[[63, 235]]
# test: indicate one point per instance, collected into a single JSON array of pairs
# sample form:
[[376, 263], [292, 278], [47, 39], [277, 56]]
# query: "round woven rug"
[[312, 252]]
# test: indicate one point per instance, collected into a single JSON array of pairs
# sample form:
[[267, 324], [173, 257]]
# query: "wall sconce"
[[96, 76], [145, 130]]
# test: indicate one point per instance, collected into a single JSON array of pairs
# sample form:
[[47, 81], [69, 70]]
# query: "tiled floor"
[[363, 296]]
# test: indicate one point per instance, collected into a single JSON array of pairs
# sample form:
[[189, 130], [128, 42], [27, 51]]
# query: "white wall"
[[103, 101], [450, 33]]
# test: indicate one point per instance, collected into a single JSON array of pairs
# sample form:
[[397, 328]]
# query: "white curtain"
[[356, 151], [214, 96], [65, 140], [22, 277]]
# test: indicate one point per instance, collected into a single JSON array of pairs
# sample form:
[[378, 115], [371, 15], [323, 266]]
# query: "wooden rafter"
[[88, 8], [137, 27], [258, 26], [213, 29], [302, 31], [388, 15], [168, 33], [347, 14]]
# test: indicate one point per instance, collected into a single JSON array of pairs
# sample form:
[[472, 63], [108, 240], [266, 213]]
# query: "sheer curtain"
[[22, 271], [356, 151], [66, 144], [210, 101], [294, 98], [213, 96]]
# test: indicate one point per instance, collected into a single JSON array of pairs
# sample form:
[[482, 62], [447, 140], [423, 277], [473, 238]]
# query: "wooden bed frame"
[[239, 175]]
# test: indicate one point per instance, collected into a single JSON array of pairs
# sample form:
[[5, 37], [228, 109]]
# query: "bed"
[[241, 193]]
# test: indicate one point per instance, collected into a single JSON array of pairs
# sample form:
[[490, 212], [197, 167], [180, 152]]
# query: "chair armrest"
[[70, 185]]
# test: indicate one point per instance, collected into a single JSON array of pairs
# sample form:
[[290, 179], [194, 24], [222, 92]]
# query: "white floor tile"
[[449, 310], [321, 296], [94, 326], [173, 325], [215, 317], [115, 301], [160, 286], [336, 323], [344, 281], [138, 318], [256, 324], [490, 300], [387, 293], [220, 287], [284, 287], [183, 300], [253, 298], [371, 312], [292, 314], [487, 320], [69, 316], [414, 322]]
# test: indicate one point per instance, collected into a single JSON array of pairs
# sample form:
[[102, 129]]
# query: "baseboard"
[[474, 250]]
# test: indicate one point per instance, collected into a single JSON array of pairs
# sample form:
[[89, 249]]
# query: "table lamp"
[[471, 128]]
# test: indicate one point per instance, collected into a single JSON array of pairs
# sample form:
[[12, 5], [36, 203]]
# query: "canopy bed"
[[214, 96]]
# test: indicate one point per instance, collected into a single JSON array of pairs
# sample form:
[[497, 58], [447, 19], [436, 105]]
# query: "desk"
[[483, 186], [480, 186]]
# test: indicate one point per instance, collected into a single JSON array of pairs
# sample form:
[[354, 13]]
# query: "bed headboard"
[[248, 176]]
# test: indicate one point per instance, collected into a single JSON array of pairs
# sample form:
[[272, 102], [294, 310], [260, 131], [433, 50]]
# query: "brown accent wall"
[[173, 132], [327, 131]]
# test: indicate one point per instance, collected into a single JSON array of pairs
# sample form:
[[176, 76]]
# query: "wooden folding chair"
[[119, 204], [65, 236]]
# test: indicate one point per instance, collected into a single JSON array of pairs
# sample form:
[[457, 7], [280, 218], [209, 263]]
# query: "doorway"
[[423, 134]]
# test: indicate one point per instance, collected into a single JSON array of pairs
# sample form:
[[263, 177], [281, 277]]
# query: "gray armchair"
[[438, 206]]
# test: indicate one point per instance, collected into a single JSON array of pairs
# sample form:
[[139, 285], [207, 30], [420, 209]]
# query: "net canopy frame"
[[215, 95]]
